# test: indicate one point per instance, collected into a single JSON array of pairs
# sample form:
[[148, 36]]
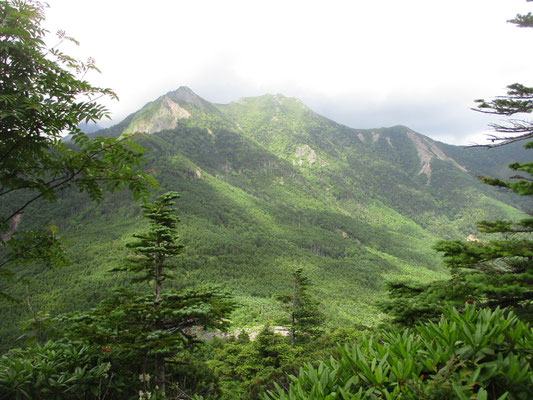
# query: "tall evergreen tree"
[[158, 325], [500, 272], [154, 249], [304, 319]]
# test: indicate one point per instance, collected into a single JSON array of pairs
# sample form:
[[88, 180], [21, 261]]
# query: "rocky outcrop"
[[427, 151], [165, 115]]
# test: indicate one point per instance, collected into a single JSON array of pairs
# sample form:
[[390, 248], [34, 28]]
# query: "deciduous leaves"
[[43, 97]]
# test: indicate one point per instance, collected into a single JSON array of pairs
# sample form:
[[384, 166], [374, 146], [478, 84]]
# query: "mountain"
[[269, 185], [89, 128]]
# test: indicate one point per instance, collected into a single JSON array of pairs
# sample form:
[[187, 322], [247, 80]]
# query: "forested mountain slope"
[[268, 185]]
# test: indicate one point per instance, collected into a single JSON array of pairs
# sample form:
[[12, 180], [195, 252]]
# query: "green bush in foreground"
[[484, 354], [56, 371]]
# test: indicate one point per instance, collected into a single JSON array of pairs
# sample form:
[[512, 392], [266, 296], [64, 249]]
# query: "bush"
[[472, 355], [54, 371]]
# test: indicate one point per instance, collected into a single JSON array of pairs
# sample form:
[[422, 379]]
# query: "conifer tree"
[[500, 272], [305, 318], [154, 249], [151, 254], [158, 325]]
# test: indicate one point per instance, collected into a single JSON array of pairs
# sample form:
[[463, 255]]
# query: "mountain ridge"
[[184, 96]]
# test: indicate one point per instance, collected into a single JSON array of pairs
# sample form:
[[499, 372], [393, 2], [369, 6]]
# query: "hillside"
[[268, 185]]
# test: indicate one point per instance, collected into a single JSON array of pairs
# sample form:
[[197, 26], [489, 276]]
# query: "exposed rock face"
[[166, 116], [427, 151], [472, 238]]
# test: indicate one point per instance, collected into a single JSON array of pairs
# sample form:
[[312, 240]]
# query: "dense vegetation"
[[471, 355], [42, 96]]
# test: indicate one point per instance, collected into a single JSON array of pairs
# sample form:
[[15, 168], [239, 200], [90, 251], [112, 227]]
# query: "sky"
[[362, 63]]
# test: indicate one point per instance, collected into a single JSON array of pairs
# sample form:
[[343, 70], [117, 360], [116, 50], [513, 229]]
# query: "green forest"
[[252, 250]]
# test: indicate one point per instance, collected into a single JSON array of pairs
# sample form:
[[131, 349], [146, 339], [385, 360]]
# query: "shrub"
[[482, 354], [54, 371]]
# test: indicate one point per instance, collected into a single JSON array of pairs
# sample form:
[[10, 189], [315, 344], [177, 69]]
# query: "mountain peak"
[[186, 95]]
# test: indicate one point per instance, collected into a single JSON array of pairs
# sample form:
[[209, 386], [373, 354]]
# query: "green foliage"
[[250, 211], [523, 187], [143, 332], [495, 273], [411, 302], [28, 247], [518, 100], [56, 370], [245, 368], [153, 250], [147, 327], [40, 101], [523, 20], [43, 96], [64, 370], [499, 273], [476, 355], [159, 325], [268, 183], [249, 215], [305, 319], [235, 368]]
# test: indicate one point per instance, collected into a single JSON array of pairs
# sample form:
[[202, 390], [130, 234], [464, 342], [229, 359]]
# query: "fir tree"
[[305, 319], [158, 325], [154, 249]]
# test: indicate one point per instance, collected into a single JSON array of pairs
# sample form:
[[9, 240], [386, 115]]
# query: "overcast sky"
[[363, 63]]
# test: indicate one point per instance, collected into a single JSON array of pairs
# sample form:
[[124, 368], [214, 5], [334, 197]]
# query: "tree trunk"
[[158, 281], [160, 371]]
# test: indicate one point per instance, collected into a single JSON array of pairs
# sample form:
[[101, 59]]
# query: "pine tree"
[[305, 319]]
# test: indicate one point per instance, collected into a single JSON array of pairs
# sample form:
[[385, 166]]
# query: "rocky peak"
[[185, 95]]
